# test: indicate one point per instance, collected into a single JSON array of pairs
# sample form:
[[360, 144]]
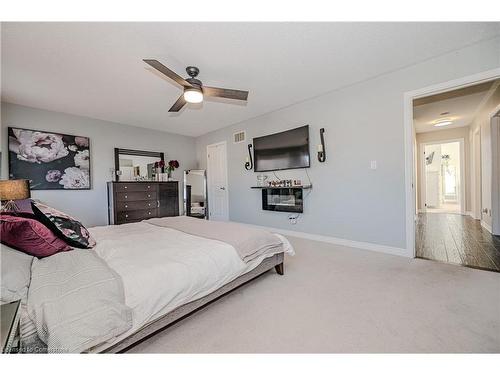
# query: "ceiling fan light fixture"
[[194, 91], [193, 95]]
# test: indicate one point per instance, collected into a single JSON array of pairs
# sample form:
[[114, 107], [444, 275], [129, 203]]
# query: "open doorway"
[[455, 187], [442, 188]]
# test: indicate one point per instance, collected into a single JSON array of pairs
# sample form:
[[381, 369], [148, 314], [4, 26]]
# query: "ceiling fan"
[[194, 90]]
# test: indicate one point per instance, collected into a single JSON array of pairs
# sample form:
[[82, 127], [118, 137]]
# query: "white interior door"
[[218, 199], [495, 177], [476, 185], [432, 170]]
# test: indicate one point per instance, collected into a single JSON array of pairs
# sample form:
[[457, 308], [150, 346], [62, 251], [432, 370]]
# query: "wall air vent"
[[239, 137]]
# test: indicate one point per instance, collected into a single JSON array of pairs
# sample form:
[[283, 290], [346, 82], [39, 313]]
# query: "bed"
[[166, 270]]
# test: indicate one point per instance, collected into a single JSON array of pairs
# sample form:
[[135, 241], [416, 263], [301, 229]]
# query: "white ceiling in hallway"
[[96, 69], [460, 110]]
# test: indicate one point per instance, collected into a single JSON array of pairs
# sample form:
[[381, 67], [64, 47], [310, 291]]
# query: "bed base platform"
[[184, 311]]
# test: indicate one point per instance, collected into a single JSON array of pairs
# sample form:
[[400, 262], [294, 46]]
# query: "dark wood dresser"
[[133, 201]]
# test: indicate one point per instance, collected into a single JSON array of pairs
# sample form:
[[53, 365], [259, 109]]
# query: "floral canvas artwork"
[[49, 160]]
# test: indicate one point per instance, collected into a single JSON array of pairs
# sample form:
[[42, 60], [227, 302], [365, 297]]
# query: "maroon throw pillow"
[[30, 236]]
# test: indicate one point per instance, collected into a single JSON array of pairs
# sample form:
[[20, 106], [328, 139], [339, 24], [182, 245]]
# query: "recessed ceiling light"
[[443, 123]]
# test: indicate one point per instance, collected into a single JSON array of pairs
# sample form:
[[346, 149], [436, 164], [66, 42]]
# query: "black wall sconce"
[[321, 147], [249, 162]]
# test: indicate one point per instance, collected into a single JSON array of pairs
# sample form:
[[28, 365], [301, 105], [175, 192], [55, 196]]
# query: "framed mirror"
[[195, 193], [136, 165]]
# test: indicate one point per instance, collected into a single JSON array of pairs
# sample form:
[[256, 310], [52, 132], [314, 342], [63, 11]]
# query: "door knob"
[[222, 188]]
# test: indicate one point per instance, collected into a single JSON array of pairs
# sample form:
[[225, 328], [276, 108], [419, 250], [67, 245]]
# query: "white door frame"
[[409, 135], [495, 172], [422, 186], [476, 193], [225, 177]]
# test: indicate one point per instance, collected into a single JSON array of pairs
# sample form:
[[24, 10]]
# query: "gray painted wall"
[[90, 206], [483, 122], [363, 122]]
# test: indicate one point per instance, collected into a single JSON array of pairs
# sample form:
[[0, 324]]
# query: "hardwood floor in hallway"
[[458, 239]]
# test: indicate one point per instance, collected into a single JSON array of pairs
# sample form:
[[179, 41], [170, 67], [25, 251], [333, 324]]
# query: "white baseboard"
[[469, 213], [340, 241], [486, 226]]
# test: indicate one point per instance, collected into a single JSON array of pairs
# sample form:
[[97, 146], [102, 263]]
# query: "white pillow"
[[15, 272]]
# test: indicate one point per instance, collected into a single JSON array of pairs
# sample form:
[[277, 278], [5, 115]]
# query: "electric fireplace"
[[283, 199]]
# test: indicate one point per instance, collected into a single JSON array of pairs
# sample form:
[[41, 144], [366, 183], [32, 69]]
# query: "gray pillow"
[[15, 272]]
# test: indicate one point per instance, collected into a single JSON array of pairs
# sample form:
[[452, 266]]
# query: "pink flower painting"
[[49, 160]]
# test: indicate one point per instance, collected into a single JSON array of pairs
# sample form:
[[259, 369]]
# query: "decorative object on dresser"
[[134, 201], [136, 165], [12, 190], [49, 160], [172, 166], [159, 174]]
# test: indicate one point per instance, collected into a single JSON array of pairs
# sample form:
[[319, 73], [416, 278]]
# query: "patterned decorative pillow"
[[63, 225]]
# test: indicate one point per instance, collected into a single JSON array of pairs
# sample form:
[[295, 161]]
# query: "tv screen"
[[285, 150]]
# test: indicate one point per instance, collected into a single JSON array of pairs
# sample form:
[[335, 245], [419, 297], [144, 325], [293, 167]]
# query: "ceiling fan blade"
[[181, 102], [225, 93], [169, 73]]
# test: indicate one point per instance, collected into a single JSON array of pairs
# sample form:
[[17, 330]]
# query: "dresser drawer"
[[136, 196], [136, 205], [135, 186], [124, 216]]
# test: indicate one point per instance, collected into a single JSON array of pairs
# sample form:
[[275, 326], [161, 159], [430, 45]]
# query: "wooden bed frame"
[[183, 311]]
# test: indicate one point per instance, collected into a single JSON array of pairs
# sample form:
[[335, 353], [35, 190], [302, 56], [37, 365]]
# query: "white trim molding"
[[486, 226], [338, 241], [494, 120]]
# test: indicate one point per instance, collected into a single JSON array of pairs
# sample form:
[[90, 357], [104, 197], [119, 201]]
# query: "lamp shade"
[[11, 190]]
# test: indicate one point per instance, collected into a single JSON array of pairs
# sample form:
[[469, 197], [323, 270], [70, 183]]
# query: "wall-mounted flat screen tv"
[[285, 150]]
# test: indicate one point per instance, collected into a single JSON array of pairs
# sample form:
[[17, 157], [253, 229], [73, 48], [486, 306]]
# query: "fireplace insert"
[[287, 199]]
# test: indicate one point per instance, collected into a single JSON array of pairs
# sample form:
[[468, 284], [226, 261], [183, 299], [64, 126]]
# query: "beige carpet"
[[339, 299]]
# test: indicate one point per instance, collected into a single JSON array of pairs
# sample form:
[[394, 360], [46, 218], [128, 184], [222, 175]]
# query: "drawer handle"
[[149, 187], [149, 213], [149, 204], [126, 206], [126, 215], [126, 187], [149, 195], [125, 197]]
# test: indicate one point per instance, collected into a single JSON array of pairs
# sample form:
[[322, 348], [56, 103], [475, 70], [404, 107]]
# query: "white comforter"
[[163, 268]]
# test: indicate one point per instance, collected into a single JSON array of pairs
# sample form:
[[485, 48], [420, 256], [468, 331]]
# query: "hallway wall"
[[482, 122]]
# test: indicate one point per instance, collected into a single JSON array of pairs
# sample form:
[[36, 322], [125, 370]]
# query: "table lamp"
[[11, 190]]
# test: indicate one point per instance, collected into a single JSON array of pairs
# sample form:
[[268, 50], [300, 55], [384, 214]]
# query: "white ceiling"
[[461, 110], [96, 69]]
